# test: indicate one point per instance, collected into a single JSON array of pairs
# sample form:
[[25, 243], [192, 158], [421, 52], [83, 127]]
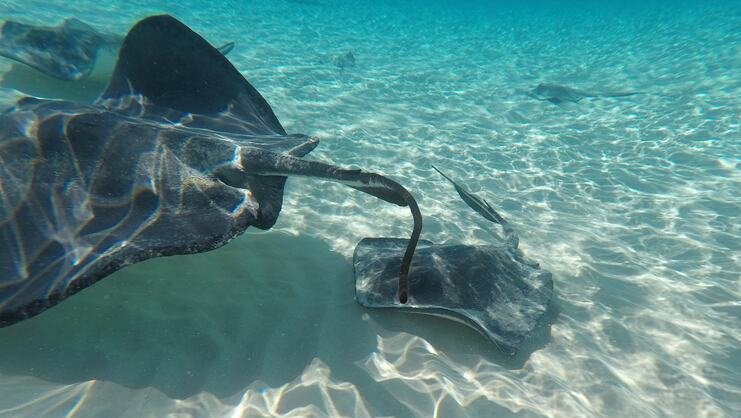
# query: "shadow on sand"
[[260, 308]]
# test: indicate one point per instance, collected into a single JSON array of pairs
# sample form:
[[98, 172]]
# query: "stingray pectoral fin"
[[263, 163], [205, 82], [66, 52], [226, 48]]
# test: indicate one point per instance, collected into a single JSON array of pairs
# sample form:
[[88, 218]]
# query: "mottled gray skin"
[[179, 155], [557, 94], [71, 61], [67, 51], [493, 289]]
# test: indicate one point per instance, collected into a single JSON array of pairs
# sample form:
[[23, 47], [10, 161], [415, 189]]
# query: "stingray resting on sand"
[[558, 94], [492, 288], [71, 61], [179, 155]]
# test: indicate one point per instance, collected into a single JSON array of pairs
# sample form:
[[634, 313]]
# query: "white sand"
[[632, 203]]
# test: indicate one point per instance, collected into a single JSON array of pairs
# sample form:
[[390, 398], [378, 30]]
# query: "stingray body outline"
[[494, 289], [67, 51], [179, 155], [557, 94], [70, 61]]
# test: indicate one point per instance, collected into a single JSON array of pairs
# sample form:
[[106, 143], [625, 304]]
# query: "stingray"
[[72, 60], [493, 288], [345, 60], [557, 94], [179, 155]]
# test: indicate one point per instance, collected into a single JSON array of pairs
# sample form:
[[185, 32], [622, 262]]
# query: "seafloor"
[[632, 203]]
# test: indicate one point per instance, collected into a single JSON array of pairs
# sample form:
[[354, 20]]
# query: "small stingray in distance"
[[493, 288], [557, 94], [179, 155], [70, 61], [345, 60]]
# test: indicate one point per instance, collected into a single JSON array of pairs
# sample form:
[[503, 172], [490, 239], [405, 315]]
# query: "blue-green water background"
[[633, 204]]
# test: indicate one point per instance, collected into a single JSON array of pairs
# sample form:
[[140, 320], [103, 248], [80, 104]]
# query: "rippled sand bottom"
[[632, 203]]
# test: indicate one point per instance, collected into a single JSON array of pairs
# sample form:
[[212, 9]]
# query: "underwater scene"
[[330, 208]]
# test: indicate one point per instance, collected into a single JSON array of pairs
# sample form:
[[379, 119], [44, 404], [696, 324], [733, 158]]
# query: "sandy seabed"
[[632, 203]]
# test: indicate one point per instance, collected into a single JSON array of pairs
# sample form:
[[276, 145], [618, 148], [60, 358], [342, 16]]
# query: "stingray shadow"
[[218, 321], [187, 324], [462, 343]]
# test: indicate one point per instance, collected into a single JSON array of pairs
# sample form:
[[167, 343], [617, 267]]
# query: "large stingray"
[[179, 155], [557, 94], [70, 61], [492, 288]]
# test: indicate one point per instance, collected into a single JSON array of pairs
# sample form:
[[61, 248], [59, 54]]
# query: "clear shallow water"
[[632, 203]]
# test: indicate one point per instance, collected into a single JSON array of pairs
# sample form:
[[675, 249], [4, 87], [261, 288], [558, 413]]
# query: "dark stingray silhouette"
[[68, 51], [179, 155], [492, 288], [345, 60], [557, 94], [71, 61]]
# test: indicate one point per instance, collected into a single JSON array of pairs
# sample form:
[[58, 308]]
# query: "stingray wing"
[[67, 51], [188, 81], [86, 190], [91, 192], [179, 155], [207, 92]]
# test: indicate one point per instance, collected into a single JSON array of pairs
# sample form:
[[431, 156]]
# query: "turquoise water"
[[632, 203]]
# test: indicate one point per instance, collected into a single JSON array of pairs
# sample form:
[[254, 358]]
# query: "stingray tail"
[[620, 94], [264, 163]]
